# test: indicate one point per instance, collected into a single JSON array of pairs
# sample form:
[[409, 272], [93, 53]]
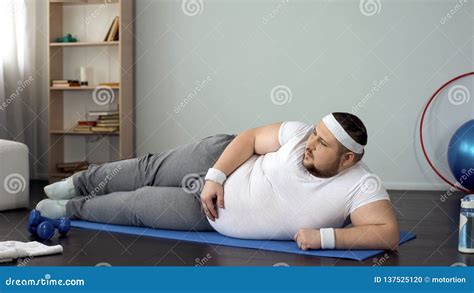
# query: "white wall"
[[328, 53], [214, 72]]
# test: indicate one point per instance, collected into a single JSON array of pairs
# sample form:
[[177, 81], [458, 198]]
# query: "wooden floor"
[[435, 223]]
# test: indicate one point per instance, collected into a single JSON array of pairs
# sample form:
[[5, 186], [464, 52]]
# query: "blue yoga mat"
[[219, 239]]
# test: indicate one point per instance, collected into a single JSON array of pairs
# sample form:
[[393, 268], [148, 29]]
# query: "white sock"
[[61, 190], [52, 208]]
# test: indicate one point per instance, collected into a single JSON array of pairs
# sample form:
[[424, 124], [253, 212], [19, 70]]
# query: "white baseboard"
[[415, 186]]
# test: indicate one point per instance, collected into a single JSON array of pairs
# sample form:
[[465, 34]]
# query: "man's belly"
[[252, 210]]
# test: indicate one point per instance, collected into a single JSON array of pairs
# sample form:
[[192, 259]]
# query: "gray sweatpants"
[[159, 190]]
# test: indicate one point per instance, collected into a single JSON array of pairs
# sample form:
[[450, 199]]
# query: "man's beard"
[[331, 171]]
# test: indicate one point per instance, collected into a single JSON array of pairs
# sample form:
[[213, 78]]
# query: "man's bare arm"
[[374, 227], [260, 140]]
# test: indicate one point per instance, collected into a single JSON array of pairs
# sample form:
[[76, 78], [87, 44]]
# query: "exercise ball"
[[461, 155]]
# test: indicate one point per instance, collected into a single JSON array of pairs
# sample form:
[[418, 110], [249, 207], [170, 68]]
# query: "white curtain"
[[18, 78]]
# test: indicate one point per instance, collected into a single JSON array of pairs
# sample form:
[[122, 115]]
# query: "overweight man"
[[286, 180]]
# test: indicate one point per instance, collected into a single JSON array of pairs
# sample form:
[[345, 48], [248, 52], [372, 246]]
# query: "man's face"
[[321, 157]]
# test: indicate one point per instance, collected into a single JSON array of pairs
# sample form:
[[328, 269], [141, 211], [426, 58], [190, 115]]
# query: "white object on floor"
[[52, 208], [14, 175], [10, 250], [63, 189]]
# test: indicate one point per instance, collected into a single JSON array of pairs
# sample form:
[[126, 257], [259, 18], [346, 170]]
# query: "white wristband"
[[328, 238], [215, 175]]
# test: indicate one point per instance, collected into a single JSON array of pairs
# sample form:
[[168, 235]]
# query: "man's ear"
[[347, 159]]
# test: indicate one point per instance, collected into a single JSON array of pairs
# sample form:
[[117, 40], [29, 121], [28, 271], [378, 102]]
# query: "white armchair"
[[14, 175]]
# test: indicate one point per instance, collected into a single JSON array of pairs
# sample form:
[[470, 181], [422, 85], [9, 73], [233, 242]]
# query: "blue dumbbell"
[[44, 227]]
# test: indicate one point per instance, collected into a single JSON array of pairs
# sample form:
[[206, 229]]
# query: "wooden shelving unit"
[[61, 65]]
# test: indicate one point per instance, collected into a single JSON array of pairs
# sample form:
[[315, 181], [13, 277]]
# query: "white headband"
[[341, 135]]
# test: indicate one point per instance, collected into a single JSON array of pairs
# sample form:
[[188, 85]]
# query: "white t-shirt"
[[272, 196]]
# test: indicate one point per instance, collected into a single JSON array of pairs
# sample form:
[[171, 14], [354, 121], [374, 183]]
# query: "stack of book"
[[64, 83], [107, 121], [84, 126], [72, 166]]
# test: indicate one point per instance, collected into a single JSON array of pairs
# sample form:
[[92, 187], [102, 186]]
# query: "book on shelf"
[[103, 113], [84, 126], [108, 117], [108, 125], [65, 83], [103, 129], [108, 121], [113, 32], [82, 129], [110, 84], [86, 123]]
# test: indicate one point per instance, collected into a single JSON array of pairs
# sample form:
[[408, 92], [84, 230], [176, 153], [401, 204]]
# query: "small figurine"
[[66, 39]]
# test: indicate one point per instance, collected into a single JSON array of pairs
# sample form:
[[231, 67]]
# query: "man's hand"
[[308, 239], [211, 191]]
